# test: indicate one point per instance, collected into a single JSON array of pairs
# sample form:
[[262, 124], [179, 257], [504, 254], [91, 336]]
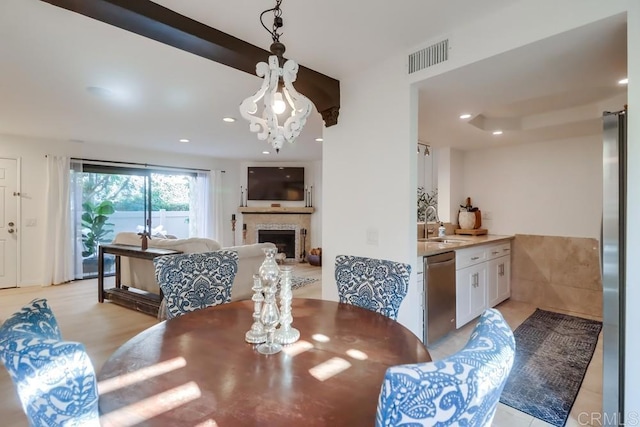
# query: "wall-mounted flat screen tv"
[[275, 183]]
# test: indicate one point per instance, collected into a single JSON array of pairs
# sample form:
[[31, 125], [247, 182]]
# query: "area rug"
[[298, 282], [553, 352]]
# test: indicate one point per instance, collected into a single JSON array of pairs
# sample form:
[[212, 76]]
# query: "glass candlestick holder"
[[285, 333], [270, 316], [269, 271], [256, 334]]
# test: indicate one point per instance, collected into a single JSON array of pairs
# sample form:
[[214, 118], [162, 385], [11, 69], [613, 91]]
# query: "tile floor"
[[588, 404]]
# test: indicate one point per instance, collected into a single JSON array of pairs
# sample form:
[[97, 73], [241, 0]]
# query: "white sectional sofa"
[[140, 274]]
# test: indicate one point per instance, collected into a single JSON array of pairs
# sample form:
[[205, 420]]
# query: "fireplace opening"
[[285, 240]]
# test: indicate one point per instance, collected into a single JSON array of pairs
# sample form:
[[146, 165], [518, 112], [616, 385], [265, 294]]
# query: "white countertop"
[[431, 247]]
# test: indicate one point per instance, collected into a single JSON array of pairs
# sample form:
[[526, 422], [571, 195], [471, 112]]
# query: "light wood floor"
[[102, 328]]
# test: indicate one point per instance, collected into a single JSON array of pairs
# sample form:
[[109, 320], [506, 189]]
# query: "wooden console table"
[[141, 301]]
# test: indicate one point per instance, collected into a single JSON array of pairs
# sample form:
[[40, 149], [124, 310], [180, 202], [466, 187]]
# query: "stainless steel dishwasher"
[[439, 296]]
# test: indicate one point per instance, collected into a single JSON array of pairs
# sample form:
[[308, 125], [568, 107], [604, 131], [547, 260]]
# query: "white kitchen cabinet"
[[498, 280], [499, 273], [471, 279], [483, 279], [471, 294]]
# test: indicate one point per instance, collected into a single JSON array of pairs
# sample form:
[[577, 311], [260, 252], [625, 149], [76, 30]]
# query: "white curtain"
[[215, 211], [205, 211], [76, 216], [58, 244]]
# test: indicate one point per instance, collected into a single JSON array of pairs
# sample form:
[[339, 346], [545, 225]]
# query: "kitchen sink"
[[446, 240]]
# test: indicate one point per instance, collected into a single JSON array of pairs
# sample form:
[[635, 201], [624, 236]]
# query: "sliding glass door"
[[108, 200]]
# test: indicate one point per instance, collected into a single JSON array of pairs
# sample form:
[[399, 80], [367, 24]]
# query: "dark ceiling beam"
[[156, 22]]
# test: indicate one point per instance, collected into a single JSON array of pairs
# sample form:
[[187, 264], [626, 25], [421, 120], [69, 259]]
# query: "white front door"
[[8, 223]]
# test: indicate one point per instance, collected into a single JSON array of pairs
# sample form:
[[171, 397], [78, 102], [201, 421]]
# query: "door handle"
[[10, 224], [10, 231]]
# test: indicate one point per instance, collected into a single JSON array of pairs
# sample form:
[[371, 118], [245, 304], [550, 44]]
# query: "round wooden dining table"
[[197, 370]]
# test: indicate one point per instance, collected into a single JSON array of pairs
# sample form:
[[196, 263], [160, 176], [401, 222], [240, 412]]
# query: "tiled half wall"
[[270, 221], [557, 273]]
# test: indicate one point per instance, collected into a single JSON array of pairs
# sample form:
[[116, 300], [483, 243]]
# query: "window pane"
[[170, 201]]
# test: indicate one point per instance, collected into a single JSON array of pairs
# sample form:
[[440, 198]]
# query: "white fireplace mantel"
[[275, 210]]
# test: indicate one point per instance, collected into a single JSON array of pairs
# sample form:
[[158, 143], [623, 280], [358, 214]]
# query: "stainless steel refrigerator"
[[612, 251]]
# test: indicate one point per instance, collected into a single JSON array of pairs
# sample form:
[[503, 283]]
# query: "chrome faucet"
[[426, 222]]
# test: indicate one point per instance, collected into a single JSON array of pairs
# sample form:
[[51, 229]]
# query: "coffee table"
[[197, 370]]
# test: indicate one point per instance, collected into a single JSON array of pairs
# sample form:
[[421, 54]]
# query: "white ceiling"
[[555, 88], [159, 94]]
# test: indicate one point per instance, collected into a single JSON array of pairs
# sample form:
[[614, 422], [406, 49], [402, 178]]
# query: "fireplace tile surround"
[[296, 219]]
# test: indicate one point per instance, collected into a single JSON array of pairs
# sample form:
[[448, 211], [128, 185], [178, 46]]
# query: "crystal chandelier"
[[277, 94]]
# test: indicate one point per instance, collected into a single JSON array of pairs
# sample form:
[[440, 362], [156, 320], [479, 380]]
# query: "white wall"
[[369, 177], [316, 218], [427, 169], [32, 151], [551, 188], [450, 184], [382, 147]]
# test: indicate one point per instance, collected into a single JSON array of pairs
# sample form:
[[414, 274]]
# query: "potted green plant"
[[95, 230]]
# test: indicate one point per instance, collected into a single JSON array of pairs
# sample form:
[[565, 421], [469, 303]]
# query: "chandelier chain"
[[277, 21]]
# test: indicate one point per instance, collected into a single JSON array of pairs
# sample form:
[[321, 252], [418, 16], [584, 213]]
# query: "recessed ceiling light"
[[265, 152], [497, 132], [184, 140], [319, 139], [114, 94], [228, 119], [100, 91], [623, 81], [465, 116]]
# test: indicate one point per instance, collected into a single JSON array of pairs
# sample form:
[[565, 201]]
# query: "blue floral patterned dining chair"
[[197, 280], [460, 390], [375, 284], [55, 379]]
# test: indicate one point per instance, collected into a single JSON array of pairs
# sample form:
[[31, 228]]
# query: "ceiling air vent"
[[429, 56]]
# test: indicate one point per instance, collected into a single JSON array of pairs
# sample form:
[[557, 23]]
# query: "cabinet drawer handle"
[[494, 252], [505, 250], [475, 258]]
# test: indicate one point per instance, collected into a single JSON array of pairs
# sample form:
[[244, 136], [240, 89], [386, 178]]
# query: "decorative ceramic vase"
[[286, 334], [467, 220]]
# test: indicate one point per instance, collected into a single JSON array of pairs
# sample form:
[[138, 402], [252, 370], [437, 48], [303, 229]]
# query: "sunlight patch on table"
[[328, 369], [125, 380], [208, 423], [321, 338], [297, 348], [153, 406], [357, 354]]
